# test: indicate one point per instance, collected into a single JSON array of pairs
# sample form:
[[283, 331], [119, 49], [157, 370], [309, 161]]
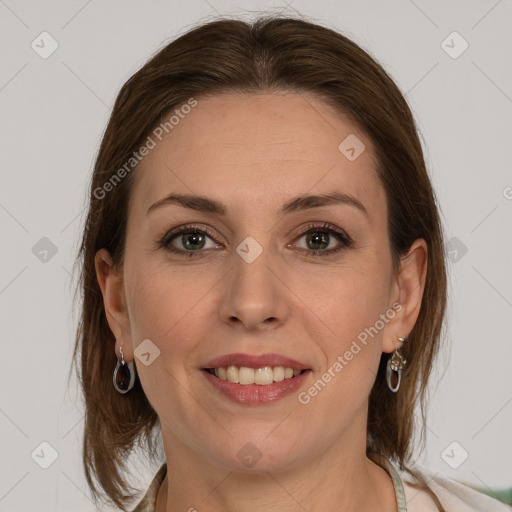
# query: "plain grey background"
[[54, 109]]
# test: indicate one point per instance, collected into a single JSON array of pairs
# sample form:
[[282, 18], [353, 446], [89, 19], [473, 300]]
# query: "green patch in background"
[[504, 495]]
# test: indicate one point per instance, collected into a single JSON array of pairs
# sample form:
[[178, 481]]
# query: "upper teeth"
[[262, 376]]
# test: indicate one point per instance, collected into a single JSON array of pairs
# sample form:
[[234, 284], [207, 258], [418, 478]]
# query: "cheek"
[[162, 303], [168, 309], [352, 310], [353, 301]]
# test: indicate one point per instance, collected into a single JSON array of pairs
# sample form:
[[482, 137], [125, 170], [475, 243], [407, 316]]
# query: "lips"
[[253, 379]]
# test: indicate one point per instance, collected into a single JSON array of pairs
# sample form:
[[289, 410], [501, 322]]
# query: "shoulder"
[[453, 496]]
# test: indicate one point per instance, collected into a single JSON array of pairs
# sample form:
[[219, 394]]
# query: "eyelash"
[[165, 239]]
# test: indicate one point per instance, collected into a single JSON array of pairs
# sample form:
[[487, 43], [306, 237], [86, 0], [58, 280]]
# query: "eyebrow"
[[298, 203]]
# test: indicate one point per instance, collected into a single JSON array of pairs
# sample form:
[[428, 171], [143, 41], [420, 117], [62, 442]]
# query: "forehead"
[[257, 149]]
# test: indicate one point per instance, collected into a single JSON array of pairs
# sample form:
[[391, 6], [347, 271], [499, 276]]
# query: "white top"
[[453, 496]]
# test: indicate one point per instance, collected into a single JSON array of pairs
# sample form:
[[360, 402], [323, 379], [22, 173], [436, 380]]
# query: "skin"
[[253, 153]]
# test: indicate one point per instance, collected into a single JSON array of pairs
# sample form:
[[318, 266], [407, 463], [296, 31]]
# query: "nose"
[[254, 296]]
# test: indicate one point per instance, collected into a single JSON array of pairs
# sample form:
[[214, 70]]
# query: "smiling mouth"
[[261, 376]]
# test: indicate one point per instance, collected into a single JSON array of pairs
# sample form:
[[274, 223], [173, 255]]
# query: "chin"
[[263, 455]]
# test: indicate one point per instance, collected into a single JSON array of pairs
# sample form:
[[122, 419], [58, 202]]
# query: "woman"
[[262, 268]]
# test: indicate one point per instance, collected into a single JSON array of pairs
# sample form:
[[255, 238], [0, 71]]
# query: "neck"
[[341, 478]]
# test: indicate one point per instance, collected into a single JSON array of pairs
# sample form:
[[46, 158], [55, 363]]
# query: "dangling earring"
[[395, 363], [124, 375]]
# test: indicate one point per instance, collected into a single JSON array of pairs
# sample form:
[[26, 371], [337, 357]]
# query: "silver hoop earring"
[[124, 375], [395, 364]]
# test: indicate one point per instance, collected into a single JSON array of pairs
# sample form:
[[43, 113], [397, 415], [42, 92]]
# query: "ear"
[[111, 284], [409, 288]]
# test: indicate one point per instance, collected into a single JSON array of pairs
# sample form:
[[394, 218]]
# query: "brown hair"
[[271, 54]]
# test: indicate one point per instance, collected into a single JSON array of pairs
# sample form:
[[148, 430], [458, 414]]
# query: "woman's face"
[[247, 288]]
